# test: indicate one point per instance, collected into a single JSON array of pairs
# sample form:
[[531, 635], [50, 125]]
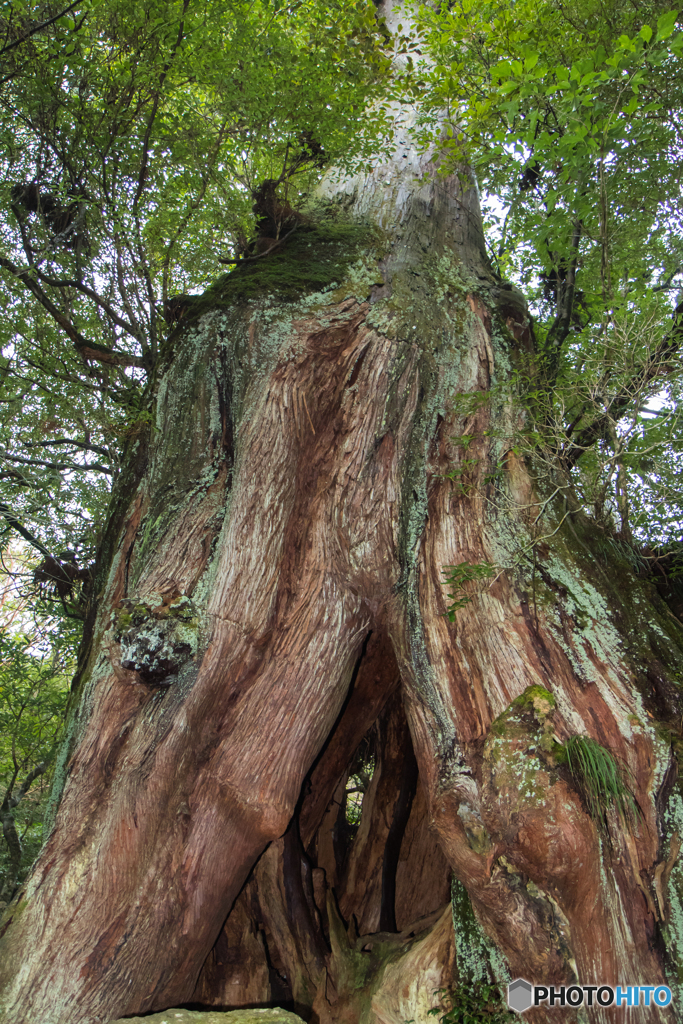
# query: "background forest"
[[148, 147]]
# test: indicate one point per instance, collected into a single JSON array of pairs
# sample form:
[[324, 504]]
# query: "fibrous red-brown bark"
[[274, 602]]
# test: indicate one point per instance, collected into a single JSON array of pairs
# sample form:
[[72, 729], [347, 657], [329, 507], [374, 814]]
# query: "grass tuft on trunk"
[[600, 779]]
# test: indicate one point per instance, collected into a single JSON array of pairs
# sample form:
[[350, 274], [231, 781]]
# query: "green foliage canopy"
[[571, 116]]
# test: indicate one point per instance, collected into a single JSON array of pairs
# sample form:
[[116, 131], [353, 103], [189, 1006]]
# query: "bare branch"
[[67, 440], [39, 770], [111, 313], [95, 466]]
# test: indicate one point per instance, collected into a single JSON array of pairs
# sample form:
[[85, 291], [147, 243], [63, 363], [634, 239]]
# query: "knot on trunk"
[[157, 641]]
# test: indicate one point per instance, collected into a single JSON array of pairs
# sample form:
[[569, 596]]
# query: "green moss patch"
[[477, 1003], [313, 258], [182, 1016], [478, 960], [537, 697], [519, 750], [532, 707]]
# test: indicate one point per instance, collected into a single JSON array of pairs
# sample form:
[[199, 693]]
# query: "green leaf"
[[666, 24]]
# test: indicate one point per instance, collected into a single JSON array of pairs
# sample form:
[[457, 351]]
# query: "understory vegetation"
[[476, 1003], [36, 665]]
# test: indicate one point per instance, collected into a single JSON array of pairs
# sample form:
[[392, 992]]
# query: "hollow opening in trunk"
[[357, 859]]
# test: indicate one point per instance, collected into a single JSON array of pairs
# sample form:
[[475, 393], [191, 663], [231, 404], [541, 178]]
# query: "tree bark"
[[273, 601]]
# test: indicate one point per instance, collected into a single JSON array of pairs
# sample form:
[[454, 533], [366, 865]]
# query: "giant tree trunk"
[[272, 617]]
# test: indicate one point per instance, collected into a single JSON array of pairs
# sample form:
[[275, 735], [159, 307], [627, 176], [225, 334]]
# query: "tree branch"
[[142, 177], [599, 428], [88, 349], [260, 255], [10, 517], [38, 28], [566, 291], [67, 440], [96, 466], [97, 299], [666, 283], [39, 770], [9, 828]]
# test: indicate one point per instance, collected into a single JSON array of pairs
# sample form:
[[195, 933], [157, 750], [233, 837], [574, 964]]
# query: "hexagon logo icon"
[[520, 995]]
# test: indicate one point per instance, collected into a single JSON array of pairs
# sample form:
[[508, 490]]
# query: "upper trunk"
[[275, 597]]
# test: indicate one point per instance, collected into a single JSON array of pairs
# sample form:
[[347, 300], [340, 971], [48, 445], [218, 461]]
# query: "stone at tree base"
[[178, 1016]]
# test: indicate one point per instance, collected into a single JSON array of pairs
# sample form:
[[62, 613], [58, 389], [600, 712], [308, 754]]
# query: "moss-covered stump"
[[178, 1016]]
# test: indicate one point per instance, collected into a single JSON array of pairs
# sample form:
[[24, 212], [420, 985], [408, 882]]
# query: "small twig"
[[258, 256]]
